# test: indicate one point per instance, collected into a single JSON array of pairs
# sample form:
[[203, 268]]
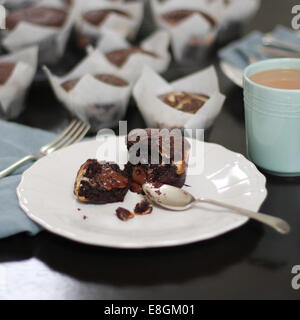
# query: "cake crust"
[[171, 151]]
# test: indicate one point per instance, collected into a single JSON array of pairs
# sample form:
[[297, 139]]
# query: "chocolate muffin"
[[106, 78], [43, 16], [6, 70], [100, 182], [184, 101], [177, 16], [119, 57], [97, 17], [157, 156]]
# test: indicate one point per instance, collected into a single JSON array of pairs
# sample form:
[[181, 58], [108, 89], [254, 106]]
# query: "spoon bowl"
[[169, 197]]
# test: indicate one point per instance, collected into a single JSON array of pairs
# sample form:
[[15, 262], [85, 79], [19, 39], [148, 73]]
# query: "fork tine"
[[77, 137], [60, 137], [78, 132], [67, 137]]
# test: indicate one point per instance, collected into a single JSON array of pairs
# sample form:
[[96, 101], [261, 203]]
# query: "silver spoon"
[[177, 199]]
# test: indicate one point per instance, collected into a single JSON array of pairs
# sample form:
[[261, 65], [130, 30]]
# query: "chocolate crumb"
[[143, 207], [84, 217], [124, 214], [78, 209]]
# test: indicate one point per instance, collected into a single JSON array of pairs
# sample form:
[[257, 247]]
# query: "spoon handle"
[[274, 222]]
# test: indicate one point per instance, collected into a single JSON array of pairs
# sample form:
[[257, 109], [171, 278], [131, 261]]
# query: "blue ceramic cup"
[[272, 119]]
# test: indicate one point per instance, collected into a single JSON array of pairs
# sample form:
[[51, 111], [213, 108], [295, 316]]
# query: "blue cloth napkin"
[[16, 141], [236, 53]]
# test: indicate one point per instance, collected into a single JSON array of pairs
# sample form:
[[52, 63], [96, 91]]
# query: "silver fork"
[[73, 133]]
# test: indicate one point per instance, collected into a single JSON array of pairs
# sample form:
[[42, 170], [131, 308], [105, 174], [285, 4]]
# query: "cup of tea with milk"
[[272, 115]]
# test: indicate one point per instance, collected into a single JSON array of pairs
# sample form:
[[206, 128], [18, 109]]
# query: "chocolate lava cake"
[[100, 182], [106, 78], [43, 16], [184, 101], [156, 156], [162, 159]]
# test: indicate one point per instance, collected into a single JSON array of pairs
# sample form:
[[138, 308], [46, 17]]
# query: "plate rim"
[[145, 245], [223, 66]]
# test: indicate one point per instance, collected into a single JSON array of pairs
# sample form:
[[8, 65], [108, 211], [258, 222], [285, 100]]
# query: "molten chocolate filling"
[[108, 178]]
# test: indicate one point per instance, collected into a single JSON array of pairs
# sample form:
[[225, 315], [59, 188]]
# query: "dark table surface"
[[252, 262]]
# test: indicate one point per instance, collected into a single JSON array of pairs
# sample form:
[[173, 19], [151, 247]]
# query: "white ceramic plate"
[[46, 195], [232, 73]]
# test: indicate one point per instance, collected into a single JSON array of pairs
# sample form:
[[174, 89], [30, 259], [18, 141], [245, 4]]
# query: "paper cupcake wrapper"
[[193, 26], [13, 91], [100, 104], [122, 25], [158, 114], [240, 11], [157, 43], [51, 41]]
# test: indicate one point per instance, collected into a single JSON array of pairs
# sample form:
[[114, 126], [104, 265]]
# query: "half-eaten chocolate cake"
[[100, 182], [184, 101], [157, 156]]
